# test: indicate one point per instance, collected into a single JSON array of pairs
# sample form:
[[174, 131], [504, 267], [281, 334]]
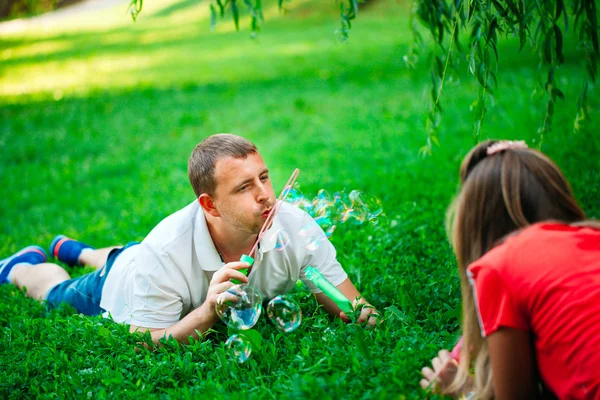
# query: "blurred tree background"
[[24, 8], [539, 25]]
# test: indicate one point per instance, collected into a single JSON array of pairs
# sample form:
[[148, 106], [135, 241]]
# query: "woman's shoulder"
[[539, 244]]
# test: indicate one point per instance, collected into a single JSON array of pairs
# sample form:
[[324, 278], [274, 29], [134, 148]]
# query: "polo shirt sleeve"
[[152, 301], [495, 299], [321, 254]]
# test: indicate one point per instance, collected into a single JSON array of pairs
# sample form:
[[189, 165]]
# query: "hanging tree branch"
[[534, 22]]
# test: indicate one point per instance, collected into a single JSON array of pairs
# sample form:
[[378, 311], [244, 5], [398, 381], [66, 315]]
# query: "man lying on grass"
[[168, 283]]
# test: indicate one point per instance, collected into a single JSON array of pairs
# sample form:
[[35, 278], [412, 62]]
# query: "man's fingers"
[[227, 274], [368, 314], [344, 317], [237, 265], [221, 287], [222, 274], [226, 297], [374, 319]]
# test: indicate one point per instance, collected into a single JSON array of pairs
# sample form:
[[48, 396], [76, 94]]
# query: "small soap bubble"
[[282, 239], [239, 348], [307, 206], [322, 204], [284, 313], [313, 236], [239, 307], [341, 204], [293, 194], [327, 224], [369, 204]]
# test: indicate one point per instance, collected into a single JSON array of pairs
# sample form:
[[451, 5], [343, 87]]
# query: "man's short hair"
[[201, 165]]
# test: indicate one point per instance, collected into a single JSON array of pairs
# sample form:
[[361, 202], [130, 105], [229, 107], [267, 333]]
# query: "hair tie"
[[505, 145]]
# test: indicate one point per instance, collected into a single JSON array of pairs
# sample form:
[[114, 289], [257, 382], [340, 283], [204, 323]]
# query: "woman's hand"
[[442, 375]]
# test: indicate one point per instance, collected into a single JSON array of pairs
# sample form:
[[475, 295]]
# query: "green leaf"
[[360, 341], [522, 35], [557, 93], [236, 14], [559, 44], [560, 8], [213, 17], [222, 7], [254, 337], [547, 50]]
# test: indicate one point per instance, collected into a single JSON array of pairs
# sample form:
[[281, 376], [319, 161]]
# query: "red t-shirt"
[[546, 280]]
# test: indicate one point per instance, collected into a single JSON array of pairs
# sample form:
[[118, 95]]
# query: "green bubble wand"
[[270, 218], [317, 278]]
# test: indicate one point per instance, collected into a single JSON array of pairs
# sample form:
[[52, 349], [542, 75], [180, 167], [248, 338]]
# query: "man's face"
[[244, 194]]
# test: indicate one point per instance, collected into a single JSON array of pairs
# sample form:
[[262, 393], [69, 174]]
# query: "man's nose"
[[263, 193]]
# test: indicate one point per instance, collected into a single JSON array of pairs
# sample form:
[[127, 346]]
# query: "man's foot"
[[67, 250], [29, 255]]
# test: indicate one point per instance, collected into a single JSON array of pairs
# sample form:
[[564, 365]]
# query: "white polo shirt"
[[158, 282]]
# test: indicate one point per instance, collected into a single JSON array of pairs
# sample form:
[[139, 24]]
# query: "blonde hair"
[[499, 194]]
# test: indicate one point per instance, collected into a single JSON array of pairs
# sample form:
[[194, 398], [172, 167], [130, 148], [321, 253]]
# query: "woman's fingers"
[[428, 373], [425, 384], [436, 363]]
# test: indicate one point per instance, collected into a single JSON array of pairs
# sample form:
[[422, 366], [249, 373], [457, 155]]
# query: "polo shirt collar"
[[207, 254]]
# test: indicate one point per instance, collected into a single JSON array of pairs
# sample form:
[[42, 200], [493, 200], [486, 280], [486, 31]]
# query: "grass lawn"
[[98, 116]]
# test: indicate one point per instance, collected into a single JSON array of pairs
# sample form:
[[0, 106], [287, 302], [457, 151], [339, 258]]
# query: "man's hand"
[[441, 376], [205, 316], [221, 282], [368, 313]]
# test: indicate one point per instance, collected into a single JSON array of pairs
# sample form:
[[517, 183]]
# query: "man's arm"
[[204, 317], [349, 290], [199, 320]]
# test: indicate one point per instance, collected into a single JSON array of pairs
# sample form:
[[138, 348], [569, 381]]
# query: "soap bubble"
[[284, 313], [239, 348], [322, 204], [369, 204], [293, 194], [282, 239], [313, 236], [326, 224], [341, 204], [239, 307]]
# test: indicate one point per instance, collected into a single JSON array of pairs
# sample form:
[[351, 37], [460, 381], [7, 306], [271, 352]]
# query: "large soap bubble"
[[284, 313], [239, 307], [239, 348]]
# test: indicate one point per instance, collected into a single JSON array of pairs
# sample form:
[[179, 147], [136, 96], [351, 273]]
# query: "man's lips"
[[266, 213]]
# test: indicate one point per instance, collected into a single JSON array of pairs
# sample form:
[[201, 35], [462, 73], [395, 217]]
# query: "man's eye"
[[265, 178], [243, 188]]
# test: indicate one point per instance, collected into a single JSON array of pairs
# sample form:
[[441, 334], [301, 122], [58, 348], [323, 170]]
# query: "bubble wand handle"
[[286, 189], [331, 291]]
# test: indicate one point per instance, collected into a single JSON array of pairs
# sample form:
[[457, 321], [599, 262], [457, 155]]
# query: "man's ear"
[[206, 202]]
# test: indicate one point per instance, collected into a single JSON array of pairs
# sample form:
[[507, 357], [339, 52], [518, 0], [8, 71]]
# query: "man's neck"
[[230, 242]]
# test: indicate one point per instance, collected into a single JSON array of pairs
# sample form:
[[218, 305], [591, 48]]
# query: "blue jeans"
[[84, 293]]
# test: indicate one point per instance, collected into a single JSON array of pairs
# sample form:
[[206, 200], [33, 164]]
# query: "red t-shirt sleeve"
[[495, 299]]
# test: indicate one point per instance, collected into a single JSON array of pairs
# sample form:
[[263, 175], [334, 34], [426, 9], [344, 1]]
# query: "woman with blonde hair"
[[529, 265]]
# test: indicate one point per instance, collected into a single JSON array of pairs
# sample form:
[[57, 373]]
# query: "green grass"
[[98, 118]]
